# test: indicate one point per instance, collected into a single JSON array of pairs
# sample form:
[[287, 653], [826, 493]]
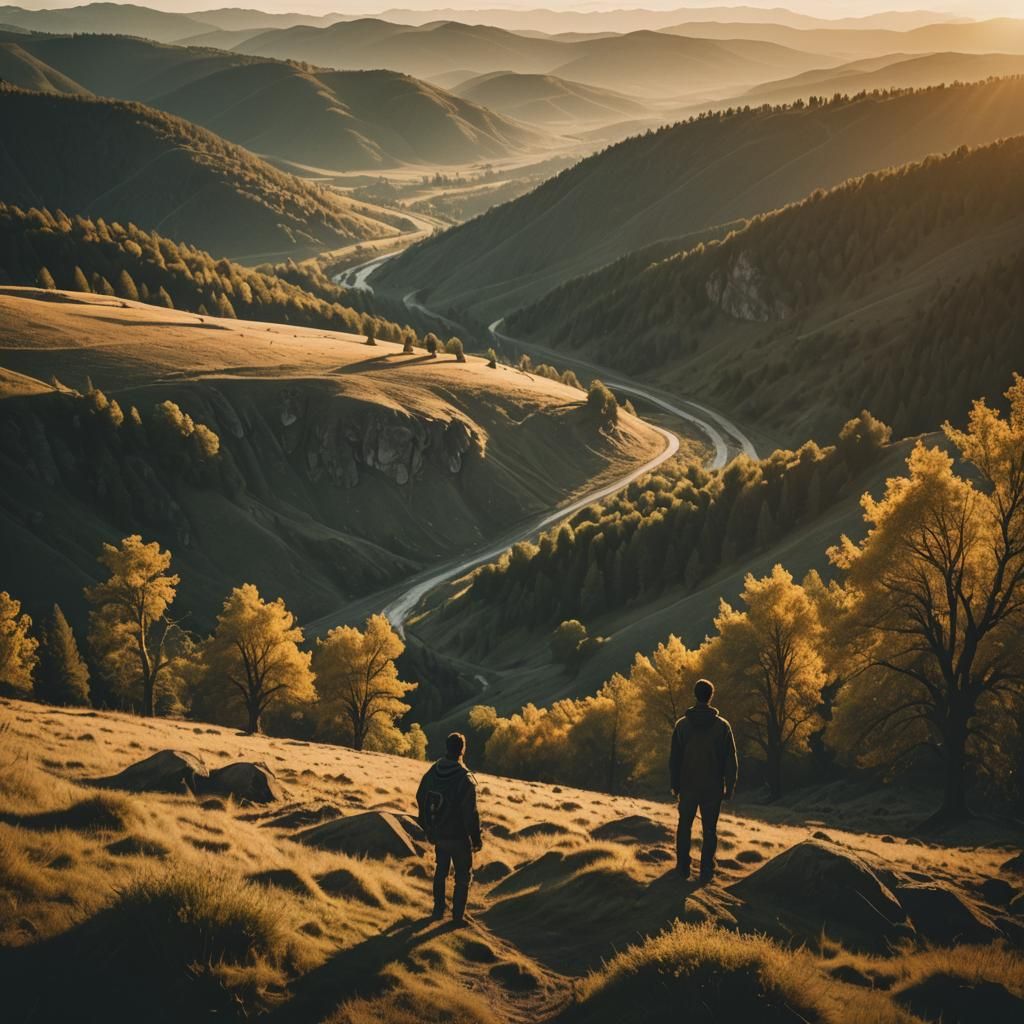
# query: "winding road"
[[725, 437]]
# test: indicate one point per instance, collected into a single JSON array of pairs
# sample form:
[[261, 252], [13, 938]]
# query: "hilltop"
[[177, 903], [690, 182], [894, 292], [348, 467], [127, 162], [297, 115]]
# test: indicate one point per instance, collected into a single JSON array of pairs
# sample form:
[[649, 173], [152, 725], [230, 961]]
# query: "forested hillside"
[[897, 291], [673, 528], [45, 249], [127, 162], [698, 176]]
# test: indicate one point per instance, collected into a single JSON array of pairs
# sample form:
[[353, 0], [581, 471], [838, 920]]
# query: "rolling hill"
[[547, 100], [693, 179], [895, 71], [348, 120], [128, 19], [347, 467], [648, 62], [298, 116], [895, 292], [127, 162], [998, 35]]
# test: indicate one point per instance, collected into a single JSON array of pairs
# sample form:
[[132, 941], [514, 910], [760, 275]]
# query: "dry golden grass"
[[204, 905]]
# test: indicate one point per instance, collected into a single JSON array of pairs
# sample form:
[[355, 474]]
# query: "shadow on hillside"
[[355, 972], [387, 360]]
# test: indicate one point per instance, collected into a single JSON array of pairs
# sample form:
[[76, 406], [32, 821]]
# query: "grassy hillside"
[[129, 904], [897, 292], [547, 100], [345, 120], [697, 177], [347, 467], [131, 19], [323, 119], [636, 62], [127, 162], [26, 71]]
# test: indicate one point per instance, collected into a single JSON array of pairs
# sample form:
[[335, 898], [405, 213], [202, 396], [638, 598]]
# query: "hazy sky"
[[819, 8]]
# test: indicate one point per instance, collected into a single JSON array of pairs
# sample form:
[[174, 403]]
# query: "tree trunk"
[[954, 795], [774, 770], [255, 725], [148, 696]]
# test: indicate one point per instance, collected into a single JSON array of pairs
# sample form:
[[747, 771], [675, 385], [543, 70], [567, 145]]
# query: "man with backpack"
[[702, 768], [446, 800]]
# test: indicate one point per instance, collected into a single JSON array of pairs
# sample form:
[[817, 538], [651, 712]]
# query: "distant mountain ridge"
[[323, 119]]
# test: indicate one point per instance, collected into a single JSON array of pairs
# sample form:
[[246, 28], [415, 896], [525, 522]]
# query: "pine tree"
[[79, 283], [126, 286], [45, 279], [62, 676]]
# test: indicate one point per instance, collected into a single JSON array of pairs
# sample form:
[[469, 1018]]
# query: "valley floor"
[[116, 903]]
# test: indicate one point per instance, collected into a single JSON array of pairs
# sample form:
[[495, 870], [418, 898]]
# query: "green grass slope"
[[898, 292], [127, 162], [692, 177]]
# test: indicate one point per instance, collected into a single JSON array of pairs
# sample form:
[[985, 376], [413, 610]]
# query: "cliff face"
[[745, 293]]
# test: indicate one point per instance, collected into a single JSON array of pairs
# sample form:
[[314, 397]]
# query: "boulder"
[[636, 828], [818, 886], [166, 771], [244, 780], [375, 834], [997, 891], [541, 828], [942, 917]]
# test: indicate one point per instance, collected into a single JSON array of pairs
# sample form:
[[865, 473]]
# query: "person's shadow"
[[356, 971]]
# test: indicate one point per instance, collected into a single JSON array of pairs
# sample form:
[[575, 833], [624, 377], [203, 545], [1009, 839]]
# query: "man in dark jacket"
[[447, 813], [702, 768]]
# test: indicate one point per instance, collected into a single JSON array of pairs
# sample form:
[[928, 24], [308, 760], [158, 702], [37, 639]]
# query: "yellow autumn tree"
[[770, 668], [17, 645], [255, 651], [358, 680], [936, 596], [129, 630]]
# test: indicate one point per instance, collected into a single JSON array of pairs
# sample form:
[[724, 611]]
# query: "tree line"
[[253, 670], [53, 250], [915, 651], [665, 529]]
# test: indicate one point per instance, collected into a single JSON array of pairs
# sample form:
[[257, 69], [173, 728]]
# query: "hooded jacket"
[[703, 757], [446, 801]]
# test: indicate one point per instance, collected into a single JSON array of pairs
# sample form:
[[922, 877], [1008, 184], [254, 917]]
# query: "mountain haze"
[[692, 179]]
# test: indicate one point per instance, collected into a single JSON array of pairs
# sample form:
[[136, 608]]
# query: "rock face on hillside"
[[636, 828], [339, 446], [744, 293], [822, 886], [166, 771], [374, 834], [244, 780]]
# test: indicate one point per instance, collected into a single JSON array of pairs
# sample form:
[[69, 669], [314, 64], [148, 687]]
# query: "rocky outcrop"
[[244, 780], [744, 292], [374, 834], [166, 771], [941, 916], [635, 828]]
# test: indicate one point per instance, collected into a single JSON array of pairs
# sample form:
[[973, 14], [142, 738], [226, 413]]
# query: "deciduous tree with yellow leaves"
[[936, 594], [129, 629], [17, 645], [255, 651], [358, 680]]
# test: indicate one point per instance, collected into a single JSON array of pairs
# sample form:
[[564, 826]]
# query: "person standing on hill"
[[446, 800], [702, 769]]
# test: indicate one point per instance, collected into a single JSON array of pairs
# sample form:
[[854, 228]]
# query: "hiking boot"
[[707, 877], [683, 871]]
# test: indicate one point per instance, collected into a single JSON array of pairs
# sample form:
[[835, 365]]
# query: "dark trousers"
[[457, 853], [710, 807]]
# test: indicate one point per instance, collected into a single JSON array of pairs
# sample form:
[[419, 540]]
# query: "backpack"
[[441, 804]]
